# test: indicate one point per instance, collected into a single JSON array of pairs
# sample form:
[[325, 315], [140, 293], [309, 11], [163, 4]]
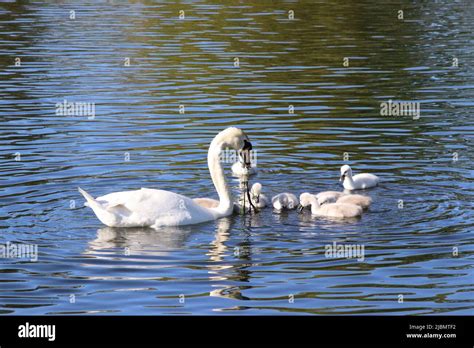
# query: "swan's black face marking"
[[245, 153], [300, 208], [343, 176]]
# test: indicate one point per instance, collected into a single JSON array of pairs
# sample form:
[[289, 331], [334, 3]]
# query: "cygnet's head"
[[306, 199], [256, 188], [255, 191], [345, 171]]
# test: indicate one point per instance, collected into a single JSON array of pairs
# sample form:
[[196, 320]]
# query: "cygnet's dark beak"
[[257, 198]]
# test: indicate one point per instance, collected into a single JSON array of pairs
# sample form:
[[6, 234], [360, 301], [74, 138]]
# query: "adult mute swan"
[[357, 182], [155, 208], [335, 210]]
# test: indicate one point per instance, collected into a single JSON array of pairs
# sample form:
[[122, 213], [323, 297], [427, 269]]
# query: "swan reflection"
[[225, 263], [140, 240]]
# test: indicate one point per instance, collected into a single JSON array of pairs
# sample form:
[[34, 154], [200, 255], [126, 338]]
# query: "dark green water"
[[425, 162]]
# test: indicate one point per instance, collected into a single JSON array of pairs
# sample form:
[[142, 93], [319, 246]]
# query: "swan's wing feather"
[[150, 207], [164, 207], [207, 202], [119, 209], [366, 177]]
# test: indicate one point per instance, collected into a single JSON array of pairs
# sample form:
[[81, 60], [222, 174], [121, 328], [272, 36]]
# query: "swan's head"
[[255, 191], [306, 200], [345, 171], [236, 139]]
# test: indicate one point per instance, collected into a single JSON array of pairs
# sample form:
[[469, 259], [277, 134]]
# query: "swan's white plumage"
[[213, 203], [358, 181], [285, 201], [238, 169], [259, 199], [333, 210], [339, 210], [329, 197], [362, 201], [262, 201], [207, 202], [155, 208], [147, 207]]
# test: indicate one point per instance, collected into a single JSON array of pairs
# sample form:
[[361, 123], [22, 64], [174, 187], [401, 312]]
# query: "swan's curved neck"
[[217, 174], [348, 180]]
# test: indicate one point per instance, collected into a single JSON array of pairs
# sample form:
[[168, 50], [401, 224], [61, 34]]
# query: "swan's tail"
[[106, 217], [91, 202]]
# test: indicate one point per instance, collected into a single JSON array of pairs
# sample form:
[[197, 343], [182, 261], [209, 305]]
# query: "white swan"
[[239, 169], [329, 197], [362, 201], [359, 181], [154, 208], [285, 201], [335, 210]]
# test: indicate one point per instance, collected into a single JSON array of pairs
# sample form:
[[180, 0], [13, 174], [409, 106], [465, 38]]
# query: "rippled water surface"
[[418, 235]]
